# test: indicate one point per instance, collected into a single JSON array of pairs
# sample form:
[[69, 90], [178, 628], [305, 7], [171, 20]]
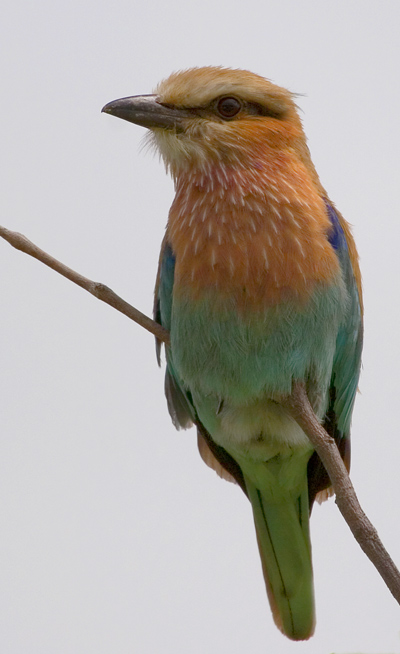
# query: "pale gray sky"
[[115, 538]]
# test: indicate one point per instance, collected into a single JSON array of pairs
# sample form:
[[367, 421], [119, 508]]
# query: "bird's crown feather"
[[197, 87]]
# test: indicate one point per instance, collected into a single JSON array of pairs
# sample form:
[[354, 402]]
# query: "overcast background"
[[115, 538]]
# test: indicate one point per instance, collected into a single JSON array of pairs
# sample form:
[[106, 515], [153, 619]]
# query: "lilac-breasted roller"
[[259, 286]]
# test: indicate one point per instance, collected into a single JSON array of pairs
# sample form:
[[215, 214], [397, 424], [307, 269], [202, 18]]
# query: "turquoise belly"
[[217, 351]]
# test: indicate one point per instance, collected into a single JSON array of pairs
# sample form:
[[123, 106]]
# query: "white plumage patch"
[[260, 429]]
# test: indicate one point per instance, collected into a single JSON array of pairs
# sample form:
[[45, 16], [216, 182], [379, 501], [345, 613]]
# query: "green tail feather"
[[285, 550]]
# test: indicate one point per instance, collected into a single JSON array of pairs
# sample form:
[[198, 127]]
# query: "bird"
[[259, 286]]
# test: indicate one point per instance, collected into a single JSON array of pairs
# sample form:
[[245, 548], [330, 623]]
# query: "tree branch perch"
[[364, 532], [99, 290], [296, 404]]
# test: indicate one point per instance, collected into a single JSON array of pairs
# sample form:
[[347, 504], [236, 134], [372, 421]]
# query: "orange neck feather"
[[254, 231]]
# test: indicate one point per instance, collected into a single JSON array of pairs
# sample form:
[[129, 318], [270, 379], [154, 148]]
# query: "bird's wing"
[[180, 405], [347, 360]]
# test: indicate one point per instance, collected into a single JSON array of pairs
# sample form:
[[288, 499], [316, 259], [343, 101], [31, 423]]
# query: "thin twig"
[[101, 291], [298, 405]]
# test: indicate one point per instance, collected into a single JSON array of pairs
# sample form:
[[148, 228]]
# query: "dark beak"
[[147, 111]]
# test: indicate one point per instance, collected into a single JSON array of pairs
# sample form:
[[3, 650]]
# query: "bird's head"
[[212, 115]]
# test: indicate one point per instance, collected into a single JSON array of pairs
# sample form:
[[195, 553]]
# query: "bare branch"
[[364, 532], [97, 289], [297, 405]]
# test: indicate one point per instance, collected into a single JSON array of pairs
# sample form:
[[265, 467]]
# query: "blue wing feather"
[[347, 361], [179, 406], [346, 364]]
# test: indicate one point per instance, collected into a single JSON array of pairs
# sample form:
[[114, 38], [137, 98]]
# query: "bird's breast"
[[256, 236]]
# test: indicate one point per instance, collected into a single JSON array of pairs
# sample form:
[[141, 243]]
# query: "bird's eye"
[[228, 107]]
